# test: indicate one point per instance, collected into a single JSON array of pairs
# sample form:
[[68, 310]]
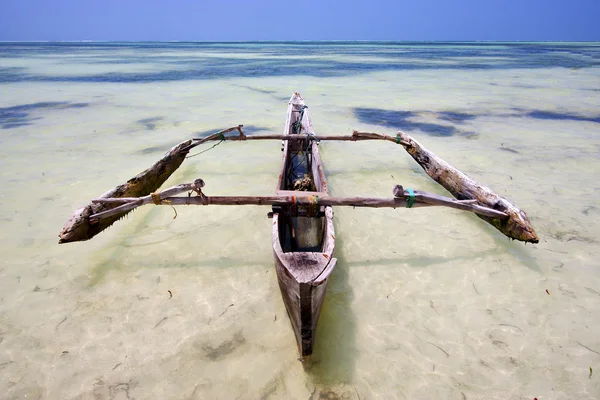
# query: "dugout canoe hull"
[[303, 237]]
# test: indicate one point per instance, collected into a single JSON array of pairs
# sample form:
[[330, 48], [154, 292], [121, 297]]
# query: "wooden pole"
[[420, 199], [218, 136], [516, 226], [356, 136]]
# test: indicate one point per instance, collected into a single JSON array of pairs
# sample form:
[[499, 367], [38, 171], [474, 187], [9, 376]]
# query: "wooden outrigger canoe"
[[303, 236]]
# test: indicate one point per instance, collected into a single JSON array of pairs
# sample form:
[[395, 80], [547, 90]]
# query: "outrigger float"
[[303, 233]]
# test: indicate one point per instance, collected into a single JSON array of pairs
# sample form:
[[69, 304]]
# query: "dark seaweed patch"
[[16, 116], [431, 129], [150, 150], [587, 210], [153, 149], [401, 120], [12, 74], [17, 124], [280, 59], [225, 348], [247, 129], [150, 123], [377, 116], [251, 129], [558, 116], [454, 116], [407, 56], [254, 89]]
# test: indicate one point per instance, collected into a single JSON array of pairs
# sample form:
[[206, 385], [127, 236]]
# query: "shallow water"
[[424, 303]]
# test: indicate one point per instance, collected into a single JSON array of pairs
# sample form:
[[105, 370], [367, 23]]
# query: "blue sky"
[[236, 20]]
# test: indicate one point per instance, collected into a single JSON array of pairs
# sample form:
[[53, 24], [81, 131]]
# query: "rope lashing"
[[156, 198], [410, 201], [220, 136], [242, 136]]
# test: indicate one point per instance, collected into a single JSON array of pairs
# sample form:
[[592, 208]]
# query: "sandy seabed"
[[424, 303]]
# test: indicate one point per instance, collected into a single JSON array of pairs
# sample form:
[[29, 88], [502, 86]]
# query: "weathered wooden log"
[[79, 228], [420, 199], [517, 226]]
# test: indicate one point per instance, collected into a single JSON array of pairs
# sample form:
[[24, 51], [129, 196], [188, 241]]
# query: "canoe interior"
[[301, 162], [300, 233], [303, 237]]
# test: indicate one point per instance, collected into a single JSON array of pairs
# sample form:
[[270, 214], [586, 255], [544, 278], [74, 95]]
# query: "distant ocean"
[[424, 303]]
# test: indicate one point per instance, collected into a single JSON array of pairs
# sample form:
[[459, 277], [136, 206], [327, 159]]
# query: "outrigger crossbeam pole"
[[356, 136], [402, 198]]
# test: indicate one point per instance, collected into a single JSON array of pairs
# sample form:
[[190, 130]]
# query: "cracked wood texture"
[[79, 228], [517, 226]]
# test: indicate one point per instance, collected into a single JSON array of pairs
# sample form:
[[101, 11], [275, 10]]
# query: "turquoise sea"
[[426, 303]]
